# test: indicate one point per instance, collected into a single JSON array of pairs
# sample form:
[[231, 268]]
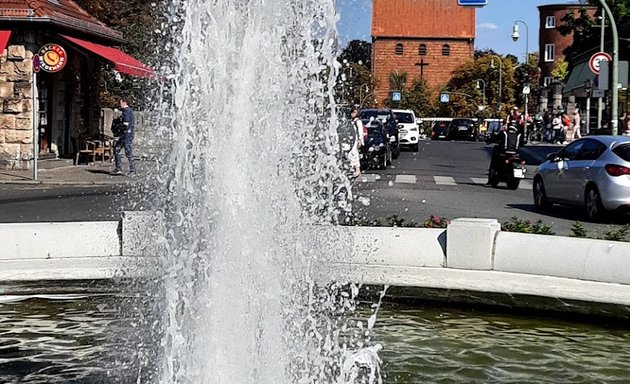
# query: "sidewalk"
[[62, 172]]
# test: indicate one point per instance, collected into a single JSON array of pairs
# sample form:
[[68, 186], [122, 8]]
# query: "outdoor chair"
[[104, 147], [84, 147]]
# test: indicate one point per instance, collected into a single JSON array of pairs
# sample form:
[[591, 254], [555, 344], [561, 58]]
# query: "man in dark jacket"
[[508, 143], [125, 140]]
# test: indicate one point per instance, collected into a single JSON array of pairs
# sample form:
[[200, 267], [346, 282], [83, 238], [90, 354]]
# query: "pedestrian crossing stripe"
[[444, 180], [438, 180]]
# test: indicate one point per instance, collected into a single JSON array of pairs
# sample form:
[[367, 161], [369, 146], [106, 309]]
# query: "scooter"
[[510, 169]]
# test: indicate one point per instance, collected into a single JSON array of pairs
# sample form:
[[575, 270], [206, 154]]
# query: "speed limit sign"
[[597, 58]]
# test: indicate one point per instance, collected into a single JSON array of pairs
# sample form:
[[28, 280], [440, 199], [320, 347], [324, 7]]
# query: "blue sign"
[[445, 97], [396, 96], [472, 3]]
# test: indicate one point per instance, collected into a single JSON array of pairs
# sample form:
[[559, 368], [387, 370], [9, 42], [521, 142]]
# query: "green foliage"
[[397, 81], [620, 234], [354, 85], [561, 70], [525, 226], [465, 97], [578, 230], [417, 98], [436, 222], [136, 20], [357, 51]]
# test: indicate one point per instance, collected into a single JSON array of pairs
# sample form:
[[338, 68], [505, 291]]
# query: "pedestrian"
[[353, 155], [577, 125], [566, 123], [556, 124], [125, 140]]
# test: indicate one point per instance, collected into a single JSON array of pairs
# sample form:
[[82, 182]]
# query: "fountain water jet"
[[253, 187]]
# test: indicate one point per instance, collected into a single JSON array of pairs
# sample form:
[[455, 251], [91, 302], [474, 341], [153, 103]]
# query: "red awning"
[[4, 39], [123, 62]]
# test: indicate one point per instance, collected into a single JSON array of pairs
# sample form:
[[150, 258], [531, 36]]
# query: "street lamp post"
[[483, 95], [500, 80], [516, 35], [614, 124]]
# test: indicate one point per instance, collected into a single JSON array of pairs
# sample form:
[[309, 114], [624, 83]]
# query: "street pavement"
[[63, 172]]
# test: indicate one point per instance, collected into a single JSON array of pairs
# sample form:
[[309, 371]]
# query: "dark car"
[[376, 150], [439, 131], [388, 118], [462, 129]]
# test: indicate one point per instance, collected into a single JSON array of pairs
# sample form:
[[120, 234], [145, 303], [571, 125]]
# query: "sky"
[[494, 23]]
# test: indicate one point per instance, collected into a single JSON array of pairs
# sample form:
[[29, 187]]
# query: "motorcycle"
[[510, 169]]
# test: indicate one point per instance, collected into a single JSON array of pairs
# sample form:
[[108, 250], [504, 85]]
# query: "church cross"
[[422, 64]]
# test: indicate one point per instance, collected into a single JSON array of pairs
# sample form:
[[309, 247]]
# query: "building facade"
[[425, 39], [51, 57], [551, 43]]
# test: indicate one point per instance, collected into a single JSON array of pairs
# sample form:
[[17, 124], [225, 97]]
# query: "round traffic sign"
[[595, 60]]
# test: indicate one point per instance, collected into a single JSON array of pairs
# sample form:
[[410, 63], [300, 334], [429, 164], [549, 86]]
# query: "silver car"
[[592, 172]]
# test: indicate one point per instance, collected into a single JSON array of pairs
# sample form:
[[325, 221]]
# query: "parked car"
[[377, 149], [408, 129], [463, 129], [592, 173], [439, 131], [387, 117]]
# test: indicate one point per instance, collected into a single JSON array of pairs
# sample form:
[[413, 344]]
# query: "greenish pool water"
[[107, 337]]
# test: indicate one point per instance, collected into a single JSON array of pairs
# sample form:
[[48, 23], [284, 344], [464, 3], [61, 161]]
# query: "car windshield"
[[404, 117], [382, 116], [462, 122], [623, 151], [375, 133]]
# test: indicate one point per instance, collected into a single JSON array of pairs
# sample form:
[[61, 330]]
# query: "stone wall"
[[16, 108]]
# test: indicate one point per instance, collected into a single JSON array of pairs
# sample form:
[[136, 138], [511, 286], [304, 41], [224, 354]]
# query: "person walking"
[[556, 125], [566, 124], [125, 140], [353, 155], [577, 125]]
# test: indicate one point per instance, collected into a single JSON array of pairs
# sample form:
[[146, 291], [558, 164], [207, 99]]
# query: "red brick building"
[[551, 43], [428, 38]]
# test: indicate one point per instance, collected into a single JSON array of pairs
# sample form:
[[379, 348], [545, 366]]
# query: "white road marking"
[[526, 184], [478, 180], [406, 179], [444, 180], [370, 177]]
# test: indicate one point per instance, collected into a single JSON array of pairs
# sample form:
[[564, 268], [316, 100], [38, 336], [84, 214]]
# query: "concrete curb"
[[471, 255]]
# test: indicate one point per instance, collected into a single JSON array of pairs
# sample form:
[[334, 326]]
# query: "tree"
[[357, 51], [419, 98], [397, 81], [136, 20], [561, 70], [355, 85]]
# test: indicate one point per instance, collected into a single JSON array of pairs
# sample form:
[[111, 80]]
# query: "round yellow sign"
[[52, 57]]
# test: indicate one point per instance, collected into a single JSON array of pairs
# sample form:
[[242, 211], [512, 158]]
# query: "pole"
[[615, 71], [35, 124], [600, 102], [588, 113]]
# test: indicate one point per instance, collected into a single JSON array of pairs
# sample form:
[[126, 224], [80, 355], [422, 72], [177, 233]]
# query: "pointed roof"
[[62, 13]]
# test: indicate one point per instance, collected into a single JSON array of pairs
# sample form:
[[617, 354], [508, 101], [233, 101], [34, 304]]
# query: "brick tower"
[[423, 38]]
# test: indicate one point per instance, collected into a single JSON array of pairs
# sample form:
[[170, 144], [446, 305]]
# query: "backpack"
[[347, 133], [118, 127]]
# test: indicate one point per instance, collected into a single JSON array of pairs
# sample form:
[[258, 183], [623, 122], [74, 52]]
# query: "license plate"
[[519, 173], [462, 128]]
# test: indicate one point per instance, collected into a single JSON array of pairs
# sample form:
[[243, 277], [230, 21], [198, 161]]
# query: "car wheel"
[[513, 183], [493, 178], [593, 203], [541, 203]]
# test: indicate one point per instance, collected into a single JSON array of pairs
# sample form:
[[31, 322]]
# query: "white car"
[[408, 129]]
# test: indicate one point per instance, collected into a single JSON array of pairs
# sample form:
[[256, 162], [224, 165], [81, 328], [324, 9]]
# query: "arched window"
[[422, 50], [399, 49], [446, 50]]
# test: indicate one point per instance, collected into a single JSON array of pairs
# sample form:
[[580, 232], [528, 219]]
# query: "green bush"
[[525, 226]]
